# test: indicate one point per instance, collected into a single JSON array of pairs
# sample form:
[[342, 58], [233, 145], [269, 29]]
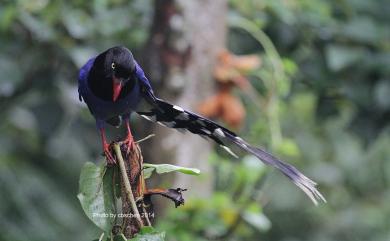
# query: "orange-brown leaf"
[[233, 112], [210, 107], [231, 67], [224, 106], [246, 63]]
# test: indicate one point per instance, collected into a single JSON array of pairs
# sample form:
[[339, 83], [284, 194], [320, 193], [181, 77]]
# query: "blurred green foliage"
[[233, 212], [45, 137], [324, 88], [324, 85], [337, 110]]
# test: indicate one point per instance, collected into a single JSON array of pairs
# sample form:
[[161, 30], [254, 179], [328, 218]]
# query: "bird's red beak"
[[116, 88]]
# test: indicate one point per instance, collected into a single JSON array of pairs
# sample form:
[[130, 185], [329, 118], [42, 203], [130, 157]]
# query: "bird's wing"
[[83, 76], [176, 117], [146, 88]]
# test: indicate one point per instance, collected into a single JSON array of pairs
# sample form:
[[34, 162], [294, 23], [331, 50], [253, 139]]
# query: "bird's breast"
[[105, 110]]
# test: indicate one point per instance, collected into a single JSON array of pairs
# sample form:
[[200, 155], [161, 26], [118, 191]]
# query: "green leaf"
[[288, 147], [149, 234], [8, 14], [147, 230], [148, 172], [96, 195], [257, 220], [352, 29], [166, 168], [120, 237], [339, 57]]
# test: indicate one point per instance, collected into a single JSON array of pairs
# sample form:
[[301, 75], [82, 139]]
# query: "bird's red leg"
[[106, 148], [129, 139]]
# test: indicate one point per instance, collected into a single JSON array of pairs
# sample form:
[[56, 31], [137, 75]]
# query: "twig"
[[142, 180], [139, 141], [126, 181], [101, 237], [278, 75], [145, 138], [146, 215]]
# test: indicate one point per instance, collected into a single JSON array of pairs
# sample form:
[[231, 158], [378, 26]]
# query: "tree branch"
[[127, 184]]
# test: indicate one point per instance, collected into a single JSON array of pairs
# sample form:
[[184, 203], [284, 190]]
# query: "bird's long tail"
[[173, 116]]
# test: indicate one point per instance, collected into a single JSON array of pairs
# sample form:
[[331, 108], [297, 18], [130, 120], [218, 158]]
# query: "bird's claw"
[[139, 199], [109, 157], [129, 142]]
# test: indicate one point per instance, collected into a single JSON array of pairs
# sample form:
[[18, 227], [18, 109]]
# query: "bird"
[[113, 86]]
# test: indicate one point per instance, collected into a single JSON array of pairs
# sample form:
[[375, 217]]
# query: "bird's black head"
[[112, 73]]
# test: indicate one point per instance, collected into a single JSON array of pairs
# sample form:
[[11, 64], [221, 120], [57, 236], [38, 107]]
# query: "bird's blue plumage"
[[83, 74], [104, 110], [145, 82], [100, 77]]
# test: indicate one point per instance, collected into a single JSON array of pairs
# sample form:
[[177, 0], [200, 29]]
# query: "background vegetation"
[[324, 82]]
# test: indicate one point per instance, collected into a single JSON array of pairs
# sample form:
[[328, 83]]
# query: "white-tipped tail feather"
[[173, 116]]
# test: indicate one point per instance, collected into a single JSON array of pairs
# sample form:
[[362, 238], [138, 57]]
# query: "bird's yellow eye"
[[113, 65]]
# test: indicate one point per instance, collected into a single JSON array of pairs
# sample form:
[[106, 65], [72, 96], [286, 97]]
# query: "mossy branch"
[[127, 184]]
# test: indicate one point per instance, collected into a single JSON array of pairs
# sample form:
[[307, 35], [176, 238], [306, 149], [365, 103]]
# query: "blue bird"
[[113, 85]]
